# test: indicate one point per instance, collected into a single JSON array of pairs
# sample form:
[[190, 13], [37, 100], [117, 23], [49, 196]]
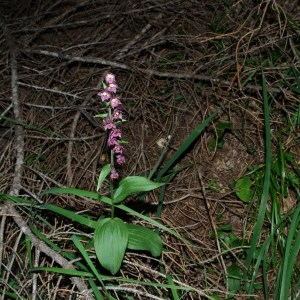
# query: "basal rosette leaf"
[[133, 184], [145, 239], [110, 242]]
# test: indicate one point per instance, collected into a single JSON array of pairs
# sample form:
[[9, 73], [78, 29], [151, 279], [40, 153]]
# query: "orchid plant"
[[112, 235]]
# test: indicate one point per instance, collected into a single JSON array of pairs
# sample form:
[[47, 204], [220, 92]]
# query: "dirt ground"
[[176, 62]]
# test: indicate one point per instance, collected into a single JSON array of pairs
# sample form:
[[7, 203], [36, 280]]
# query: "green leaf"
[[181, 151], [70, 215], [106, 200], [103, 174], [72, 191], [110, 241], [243, 189], [31, 158], [143, 238], [70, 272], [173, 289], [290, 259], [235, 275], [80, 247], [15, 199], [133, 184], [257, 231], [101, 116]]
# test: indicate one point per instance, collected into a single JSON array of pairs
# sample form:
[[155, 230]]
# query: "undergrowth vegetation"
[[150, 155]]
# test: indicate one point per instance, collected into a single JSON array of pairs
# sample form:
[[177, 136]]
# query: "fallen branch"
[[110, 63]]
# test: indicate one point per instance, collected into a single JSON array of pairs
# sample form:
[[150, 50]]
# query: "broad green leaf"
[[243, 189], [106, 200], [133, 184], [235, 275], [103, 174], [143, 238], [110, 241]]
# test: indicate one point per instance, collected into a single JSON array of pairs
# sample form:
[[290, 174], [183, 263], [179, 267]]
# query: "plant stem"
[[111, 185]]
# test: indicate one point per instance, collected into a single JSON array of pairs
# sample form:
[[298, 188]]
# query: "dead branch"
[[8, 209], [151, 72]]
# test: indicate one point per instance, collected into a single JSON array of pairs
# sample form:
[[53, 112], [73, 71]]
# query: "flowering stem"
[[111, 122], [111, 185], [112, 211]]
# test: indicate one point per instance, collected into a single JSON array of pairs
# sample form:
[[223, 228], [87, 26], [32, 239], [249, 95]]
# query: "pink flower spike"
[[112, 87], [118, 149], [110, 78], [114, 174], [109, 124], [115, 102], [120, 159], [105, 95], [117, 114]]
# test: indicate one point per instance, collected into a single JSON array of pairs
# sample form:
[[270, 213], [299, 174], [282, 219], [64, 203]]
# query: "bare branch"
[[8, 209]]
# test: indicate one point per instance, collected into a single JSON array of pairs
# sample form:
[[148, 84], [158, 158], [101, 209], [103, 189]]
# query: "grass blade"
[[86, 257], [173, 289], [185, 145], [290, 257], [266, 186], [95, 289], [63, 271], [70, 215]]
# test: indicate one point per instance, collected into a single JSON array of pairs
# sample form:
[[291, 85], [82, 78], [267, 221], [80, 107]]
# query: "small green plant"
[[243, 188], [228, 241], [214, 185], [112, 236], [221, 129]]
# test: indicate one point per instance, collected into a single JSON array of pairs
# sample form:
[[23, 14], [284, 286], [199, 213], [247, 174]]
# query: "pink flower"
[[117, 114], [118, 148], [105, 95], [120, 159], [109, 124], [115, 133], [115, 102], [112, 87], [111, 142], [110, 78], [114, 174]]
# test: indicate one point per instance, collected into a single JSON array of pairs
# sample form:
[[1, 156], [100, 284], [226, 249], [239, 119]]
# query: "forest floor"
[[176, 63]]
